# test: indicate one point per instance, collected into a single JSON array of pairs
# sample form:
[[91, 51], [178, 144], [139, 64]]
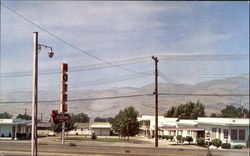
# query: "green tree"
[[126, 123], [80, 117], [214, 115], [190, 110], [23, 116], [189, 139], [5, 115], [57, 127], [233, 112], [216, 142]]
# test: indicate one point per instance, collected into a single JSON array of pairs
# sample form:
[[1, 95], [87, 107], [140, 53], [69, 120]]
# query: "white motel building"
[[15, 129], [229, 130]]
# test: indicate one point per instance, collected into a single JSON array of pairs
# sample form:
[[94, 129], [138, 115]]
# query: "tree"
[[24, 116], [214, 115], [99, 119], [190, 110], [216, 142], [233, 112], [5, 115], [126, 123], [80, 117], [57, 127], [189, 139]]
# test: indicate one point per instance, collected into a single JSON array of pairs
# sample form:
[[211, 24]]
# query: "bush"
[[208, 143], [201, 141], [93, 136], [238, 146], [216, 142], [159, 136], [226, 145], [189, 139], [180, 139], [72, 144], [171, 137], [167, 137]]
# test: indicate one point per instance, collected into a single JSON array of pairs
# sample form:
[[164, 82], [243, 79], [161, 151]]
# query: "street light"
[[36, 49]]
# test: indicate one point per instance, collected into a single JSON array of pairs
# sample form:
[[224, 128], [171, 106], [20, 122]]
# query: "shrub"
[[163, 136], [216, 142], [179, 138], [72, 144], [238, 146], [159, 136], [201, 141], [189, 139], [226, 145], [93, 136], [167, 137], [171, 137], [208, 143]]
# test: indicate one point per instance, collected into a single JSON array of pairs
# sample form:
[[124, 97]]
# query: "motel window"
[[225, 132], [242, 134], [234, 134], [213, 132]]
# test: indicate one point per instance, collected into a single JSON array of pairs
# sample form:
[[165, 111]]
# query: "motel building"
[[228, 130], [14, 129], [100, 128]]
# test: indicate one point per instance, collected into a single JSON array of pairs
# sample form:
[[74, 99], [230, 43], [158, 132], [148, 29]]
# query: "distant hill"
[[145, 105]]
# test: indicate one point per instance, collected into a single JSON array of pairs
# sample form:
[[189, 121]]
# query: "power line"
[[95, 82], [67, 43], [77, 68], [129, 96], [85, 99], [176, 94]]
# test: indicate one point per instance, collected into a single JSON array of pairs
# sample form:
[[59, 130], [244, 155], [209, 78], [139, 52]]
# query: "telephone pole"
[[156, 100], [36, 48], [25, 111], [41, 120]]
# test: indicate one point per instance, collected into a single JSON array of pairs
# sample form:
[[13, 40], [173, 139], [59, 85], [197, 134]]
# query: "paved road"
[[15, 148]]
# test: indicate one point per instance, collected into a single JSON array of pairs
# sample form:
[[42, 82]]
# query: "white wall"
[[5, 130], [101, 131]]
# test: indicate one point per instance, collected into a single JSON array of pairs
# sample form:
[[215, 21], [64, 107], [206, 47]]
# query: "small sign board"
[[62, 117]]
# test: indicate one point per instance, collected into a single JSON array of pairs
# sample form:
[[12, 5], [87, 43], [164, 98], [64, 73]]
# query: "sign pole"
[[64, 96], [63, 131]]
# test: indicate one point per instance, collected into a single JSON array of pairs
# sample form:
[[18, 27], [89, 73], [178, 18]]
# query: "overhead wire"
[[69, 44], [130, 96]]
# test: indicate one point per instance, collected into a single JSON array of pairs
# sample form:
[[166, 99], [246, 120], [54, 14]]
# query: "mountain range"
[[144, 104]]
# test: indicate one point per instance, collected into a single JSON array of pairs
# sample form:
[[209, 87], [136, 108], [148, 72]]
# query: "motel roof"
[[14, 122], [182, 128], [100, 125], [223, 121]]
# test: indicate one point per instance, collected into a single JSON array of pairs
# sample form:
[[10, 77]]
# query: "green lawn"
[[98, 139]]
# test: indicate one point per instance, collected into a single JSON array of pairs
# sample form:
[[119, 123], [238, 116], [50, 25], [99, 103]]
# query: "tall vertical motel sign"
[[62, 117], [64, 88]]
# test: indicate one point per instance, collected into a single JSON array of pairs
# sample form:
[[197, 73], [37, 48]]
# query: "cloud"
[[205, 38]]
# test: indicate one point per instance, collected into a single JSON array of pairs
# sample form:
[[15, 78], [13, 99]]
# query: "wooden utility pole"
[[25, 111], [156, 100], [41, 119]]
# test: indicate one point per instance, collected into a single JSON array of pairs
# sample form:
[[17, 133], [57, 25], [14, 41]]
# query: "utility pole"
[[36, 49], [156, 100], [25, 111], [34, 95], [41, 120]]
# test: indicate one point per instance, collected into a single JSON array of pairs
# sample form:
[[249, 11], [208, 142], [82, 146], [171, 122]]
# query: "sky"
[[126, 34]]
